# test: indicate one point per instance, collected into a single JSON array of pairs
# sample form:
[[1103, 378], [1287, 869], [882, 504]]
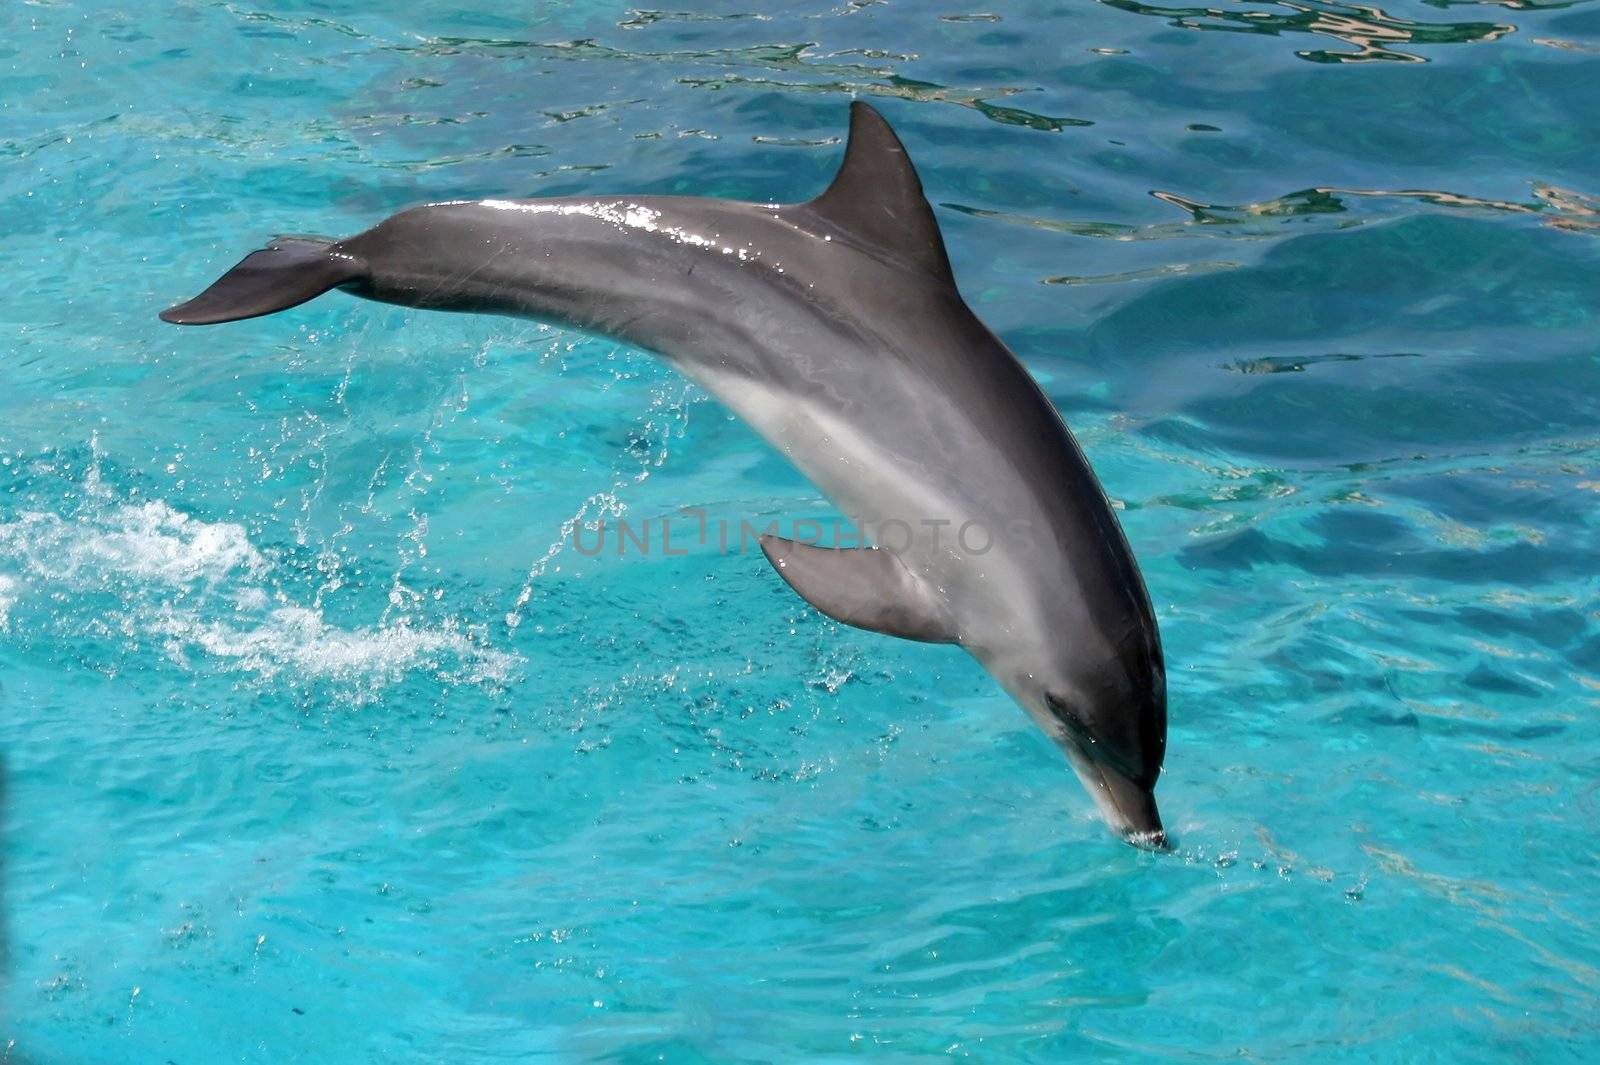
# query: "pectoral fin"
[[865, 587]]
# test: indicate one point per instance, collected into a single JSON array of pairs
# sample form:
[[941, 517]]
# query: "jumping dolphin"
[[834, 328]]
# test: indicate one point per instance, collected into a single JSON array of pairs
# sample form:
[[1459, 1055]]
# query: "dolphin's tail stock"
[[284, 274]]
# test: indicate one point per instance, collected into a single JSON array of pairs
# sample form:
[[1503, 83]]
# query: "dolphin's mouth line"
[[1127, 805]]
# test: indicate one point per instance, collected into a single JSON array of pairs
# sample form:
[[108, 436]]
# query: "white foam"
[[300, 642], [8, 598], [201, 589], [149, 541]]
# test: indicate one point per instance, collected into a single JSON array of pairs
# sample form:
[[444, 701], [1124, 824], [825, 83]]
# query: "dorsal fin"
[[876, 198]]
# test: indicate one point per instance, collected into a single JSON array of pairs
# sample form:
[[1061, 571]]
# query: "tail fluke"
[[286, 273]]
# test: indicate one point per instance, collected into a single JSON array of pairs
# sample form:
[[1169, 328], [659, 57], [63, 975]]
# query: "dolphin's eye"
[[1092, 744], [1070, 718]]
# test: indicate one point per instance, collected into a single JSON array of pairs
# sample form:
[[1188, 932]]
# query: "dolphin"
[[834, 328]]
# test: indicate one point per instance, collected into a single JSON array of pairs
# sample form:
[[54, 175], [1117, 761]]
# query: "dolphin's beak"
[[1130, 808], [1125, 804]]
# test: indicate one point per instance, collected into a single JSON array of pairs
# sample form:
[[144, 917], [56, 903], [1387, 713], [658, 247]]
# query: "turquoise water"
[[323, 743]]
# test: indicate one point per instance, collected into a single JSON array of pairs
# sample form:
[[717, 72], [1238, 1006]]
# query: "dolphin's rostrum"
[[834, 328]]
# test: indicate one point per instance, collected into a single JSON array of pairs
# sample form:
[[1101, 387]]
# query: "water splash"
[[8, 599], [141, 574], [299, 642], [666, 419]]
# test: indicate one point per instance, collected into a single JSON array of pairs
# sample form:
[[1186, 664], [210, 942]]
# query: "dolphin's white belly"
[[959, 553], [858, 476]]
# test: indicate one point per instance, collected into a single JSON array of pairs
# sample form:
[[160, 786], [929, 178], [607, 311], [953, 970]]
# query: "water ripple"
[[1373, 33], [872, 78], [1340, 208], [640, 18]]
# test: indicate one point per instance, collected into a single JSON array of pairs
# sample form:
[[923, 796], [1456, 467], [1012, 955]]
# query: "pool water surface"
[[321, 741]]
